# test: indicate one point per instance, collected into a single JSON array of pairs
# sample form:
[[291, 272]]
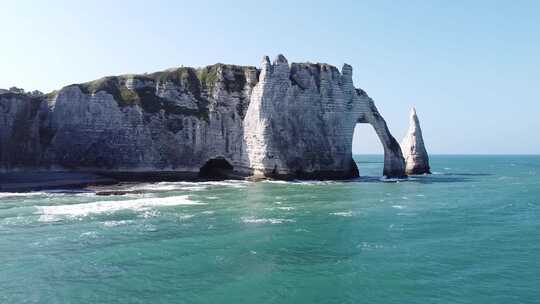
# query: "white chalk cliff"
[[282, 120], [413, 148]]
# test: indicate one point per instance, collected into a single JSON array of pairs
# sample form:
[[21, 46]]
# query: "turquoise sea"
[[469, 233]]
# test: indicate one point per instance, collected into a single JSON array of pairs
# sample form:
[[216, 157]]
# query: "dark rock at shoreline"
[[32, 181]]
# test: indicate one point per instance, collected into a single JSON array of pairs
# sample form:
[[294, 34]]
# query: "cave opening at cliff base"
[[216, 169]]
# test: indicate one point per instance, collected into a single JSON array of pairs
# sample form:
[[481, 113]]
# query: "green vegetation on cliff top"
[[199, 83]]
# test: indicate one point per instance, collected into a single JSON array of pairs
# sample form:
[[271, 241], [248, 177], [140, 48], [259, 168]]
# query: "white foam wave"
[[89, 234], [48, 193], [194, 188], [184, 217], [166, 186], [149, 213], [286, 208], [253, 220], [270, 181], [315, 182], [392, 179], [19, 194], [109, 224], [49, 213], [300, 182], [366, 245], [346, 214], [190, 186], [88, 194], [406, 214], [228, 183], [398, 206]]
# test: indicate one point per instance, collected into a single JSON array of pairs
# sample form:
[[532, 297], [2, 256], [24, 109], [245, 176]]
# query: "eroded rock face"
[[414, 151], [280, 120], [301, 121], [22, 132]]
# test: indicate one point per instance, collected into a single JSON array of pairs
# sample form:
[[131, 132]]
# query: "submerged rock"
[[282, 121], [414, 151]]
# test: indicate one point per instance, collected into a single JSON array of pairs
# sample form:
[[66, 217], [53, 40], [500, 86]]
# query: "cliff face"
[[22, 133], [301, 122], [170, 121], [281, 121]]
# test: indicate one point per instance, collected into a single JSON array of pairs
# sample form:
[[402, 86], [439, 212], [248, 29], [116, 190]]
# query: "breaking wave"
[[345, 214], [19, 194], [189, 186], [254, 220], [51, 213]]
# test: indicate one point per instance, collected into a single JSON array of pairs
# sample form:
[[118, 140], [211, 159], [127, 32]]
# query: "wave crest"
[[50, 213]]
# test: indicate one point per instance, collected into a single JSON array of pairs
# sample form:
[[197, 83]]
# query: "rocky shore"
[[33, 181]]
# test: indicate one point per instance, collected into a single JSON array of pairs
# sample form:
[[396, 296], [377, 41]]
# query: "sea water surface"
[[469, 233]]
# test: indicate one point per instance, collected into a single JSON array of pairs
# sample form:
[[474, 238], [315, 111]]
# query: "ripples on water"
[[468, 233]]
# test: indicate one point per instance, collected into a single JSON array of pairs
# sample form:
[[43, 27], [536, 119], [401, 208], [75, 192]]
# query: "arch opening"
[[367, 150], [216, 168], [366, 140]]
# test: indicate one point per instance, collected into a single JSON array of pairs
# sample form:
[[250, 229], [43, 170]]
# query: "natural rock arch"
[[394, 163], [301, 118]]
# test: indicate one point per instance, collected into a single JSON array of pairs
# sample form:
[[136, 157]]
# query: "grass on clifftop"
[[199, 83], [144, 96]]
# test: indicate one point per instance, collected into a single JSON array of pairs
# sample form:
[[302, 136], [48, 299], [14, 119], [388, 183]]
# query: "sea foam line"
[[19, 194], [78, 210], [254, 220], [189, 186], [344, 213]]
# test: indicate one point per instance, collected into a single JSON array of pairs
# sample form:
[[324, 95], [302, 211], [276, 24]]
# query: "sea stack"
[[414, 151]]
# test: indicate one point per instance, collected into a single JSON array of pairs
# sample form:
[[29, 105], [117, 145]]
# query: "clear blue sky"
[[471, 68]]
